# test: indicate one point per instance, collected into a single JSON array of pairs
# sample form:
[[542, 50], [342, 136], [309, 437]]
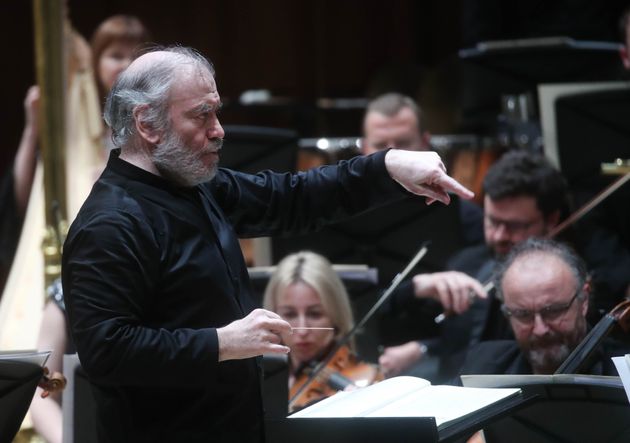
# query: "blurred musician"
[[307, 293], [544, 294]]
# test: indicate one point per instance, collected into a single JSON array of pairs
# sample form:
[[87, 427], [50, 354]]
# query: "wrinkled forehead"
[[536, 273]]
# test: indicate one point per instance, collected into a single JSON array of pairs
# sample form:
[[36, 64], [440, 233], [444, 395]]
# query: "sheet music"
[[407, 397], [27, 356], [623, 368]]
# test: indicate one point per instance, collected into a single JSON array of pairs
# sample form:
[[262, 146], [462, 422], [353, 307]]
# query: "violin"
[[343, 371], [311, 376], [51, 383]]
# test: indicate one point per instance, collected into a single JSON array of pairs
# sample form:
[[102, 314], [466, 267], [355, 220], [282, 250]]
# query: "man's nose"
[[540, 327], [501, 232], [216, 130]]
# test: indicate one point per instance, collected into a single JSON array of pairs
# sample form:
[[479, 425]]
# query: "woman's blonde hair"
[[316, 271]]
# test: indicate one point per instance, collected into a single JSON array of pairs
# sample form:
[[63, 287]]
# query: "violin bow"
[[346, 338], [573, 218]]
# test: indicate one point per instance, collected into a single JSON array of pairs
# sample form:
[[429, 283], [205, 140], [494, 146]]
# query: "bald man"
[[157, 291], [544, 292]]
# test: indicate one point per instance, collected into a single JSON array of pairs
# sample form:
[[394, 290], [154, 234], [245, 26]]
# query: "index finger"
[[277, 326], [478, 289], [449, 184]]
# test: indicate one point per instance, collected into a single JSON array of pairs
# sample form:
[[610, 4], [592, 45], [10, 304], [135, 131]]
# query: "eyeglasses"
[[509, 226], [548, 314]]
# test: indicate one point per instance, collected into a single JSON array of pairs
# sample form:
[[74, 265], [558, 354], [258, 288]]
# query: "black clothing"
[[150, 270], [482, 321], [10, 225], [505, 357], [471, 218]]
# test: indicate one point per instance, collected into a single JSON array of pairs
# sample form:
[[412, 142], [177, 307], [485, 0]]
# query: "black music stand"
[[352, 430], [275, 386], [252, 149], [592, 128], [388, 429], [495, 68], [18, 381], [565, 409]]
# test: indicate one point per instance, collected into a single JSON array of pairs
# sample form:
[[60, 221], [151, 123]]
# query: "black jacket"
[[151, 270], [505, 357]]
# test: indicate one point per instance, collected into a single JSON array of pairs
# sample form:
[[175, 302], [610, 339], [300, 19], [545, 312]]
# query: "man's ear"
[[625, 57], [146, 130]]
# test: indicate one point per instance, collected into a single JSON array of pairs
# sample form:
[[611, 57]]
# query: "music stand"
[[352, 430], [275, 386], [563, 408], [78, 405], [389, 429], [18, 381], [252, 149], [495, 68], [592, 128]]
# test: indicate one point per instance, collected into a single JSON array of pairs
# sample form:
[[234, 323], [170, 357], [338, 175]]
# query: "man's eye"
[[522, 314], [554, 310]]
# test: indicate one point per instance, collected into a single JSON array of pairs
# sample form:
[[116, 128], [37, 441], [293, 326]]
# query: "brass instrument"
[[617, 167]]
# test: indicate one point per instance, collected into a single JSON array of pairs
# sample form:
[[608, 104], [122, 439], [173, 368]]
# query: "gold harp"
[[70, 132]]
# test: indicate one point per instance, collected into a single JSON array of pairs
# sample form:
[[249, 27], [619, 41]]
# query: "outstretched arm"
[[26, 157]]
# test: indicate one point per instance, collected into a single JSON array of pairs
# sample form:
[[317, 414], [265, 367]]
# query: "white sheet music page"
[[407, 397], [623, 368]]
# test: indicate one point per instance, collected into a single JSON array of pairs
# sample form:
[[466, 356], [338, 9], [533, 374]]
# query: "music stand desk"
[[565, 409], [18, 381], [388, 429]]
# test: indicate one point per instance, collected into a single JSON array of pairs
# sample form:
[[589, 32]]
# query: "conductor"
[[157, 291]]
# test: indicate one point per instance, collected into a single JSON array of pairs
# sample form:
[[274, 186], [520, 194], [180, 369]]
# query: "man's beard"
[[547, 353], [182, 165]]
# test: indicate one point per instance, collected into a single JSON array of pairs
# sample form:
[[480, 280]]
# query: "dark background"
[[305, 50], [300, 50]]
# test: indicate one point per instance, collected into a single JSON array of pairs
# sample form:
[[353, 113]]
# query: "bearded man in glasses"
[[525, 197], [544, 291]]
